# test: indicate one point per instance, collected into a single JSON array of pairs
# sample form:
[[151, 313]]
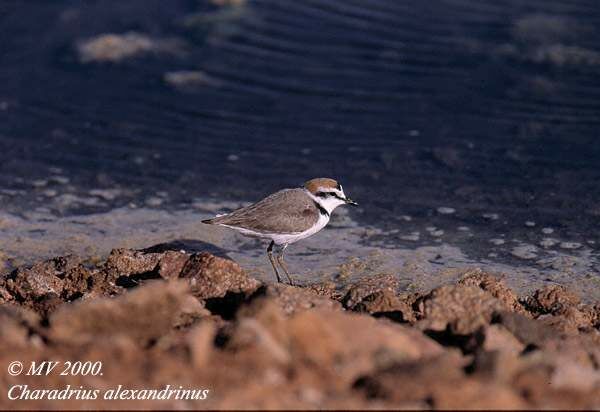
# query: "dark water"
[[487, 106]]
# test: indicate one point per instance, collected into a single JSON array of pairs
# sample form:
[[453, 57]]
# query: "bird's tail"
[[214, 220]]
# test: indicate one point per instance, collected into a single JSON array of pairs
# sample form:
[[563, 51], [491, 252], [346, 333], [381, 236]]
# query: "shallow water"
[[468, 127]]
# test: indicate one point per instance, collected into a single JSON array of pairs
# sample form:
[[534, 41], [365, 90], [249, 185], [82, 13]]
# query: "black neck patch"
[[322, 210]]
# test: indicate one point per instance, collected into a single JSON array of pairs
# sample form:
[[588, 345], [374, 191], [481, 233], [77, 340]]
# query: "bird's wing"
[[286, 211]]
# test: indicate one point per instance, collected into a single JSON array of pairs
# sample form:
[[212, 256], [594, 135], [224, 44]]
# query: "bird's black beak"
[[351, 202]]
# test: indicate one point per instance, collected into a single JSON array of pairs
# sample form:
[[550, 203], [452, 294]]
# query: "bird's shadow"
[[189, 245]]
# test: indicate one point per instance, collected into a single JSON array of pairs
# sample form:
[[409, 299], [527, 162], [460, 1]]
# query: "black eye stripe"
[[325, 194]]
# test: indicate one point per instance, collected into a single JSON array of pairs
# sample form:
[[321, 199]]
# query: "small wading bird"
[[287, 216]]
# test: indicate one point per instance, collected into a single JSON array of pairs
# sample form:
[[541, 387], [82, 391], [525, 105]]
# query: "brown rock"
[[171, 264], [191, 310], [252, 335], [537, 382], [292, 299], [46, 304], [580, 349], [496, 365], [127, 262], [571, 320], [353, 343], [326, 289], [276, 346], [102, 284], [369, 285], [553, 299], [77, 281], [16, 326], [62, 264], [559, 365], [259, 342], [212, 276], [331, 344], [384, 303], [494, 287], [526, 330], [479, 395], [555, 306], [574, 376], [463, 309], [27, 285], [46, 285], [209, 276], [403, 381], [267, 311], [253, 355], [200, 341], [438, 382], [499, 338], [592, 312], [145, 314], [5, 296]]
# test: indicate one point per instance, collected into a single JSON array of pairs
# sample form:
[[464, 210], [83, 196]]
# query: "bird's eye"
[[322, 194]]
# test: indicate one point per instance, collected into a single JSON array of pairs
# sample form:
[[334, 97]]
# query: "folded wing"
[[286, 211]]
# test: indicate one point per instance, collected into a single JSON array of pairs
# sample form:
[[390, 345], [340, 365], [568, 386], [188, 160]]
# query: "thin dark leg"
[[284, 265], [270, 254]]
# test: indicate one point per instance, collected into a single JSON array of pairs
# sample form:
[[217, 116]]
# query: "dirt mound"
[[163, 322]]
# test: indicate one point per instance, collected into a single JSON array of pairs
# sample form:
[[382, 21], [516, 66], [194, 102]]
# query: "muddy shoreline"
[[348, 250], [160, 316]]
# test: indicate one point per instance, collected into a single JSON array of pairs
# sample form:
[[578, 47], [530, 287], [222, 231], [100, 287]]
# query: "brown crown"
[[313, 185]]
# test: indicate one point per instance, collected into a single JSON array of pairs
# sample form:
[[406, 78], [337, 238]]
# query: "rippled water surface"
[[464, 124]]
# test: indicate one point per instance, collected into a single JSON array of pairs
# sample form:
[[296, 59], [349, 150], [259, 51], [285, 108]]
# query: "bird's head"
[[328, 193]]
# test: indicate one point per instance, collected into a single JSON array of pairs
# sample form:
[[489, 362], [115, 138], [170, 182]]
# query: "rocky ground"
[[160, 317]]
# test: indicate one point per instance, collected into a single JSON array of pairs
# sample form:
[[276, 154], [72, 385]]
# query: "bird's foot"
[[290, 281]]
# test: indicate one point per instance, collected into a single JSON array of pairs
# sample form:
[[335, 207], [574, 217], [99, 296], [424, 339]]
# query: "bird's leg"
[[283, 265], [270, 254]]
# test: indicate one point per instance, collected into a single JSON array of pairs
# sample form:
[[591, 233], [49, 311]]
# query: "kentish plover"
[[287, 216]]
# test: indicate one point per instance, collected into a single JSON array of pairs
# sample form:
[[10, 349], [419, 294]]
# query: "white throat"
[[329, 204]]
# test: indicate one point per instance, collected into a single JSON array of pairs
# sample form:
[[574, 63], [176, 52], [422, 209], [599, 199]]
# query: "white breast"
[[294, 237]]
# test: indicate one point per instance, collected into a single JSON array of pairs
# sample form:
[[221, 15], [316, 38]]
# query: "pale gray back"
[[286, 211]]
